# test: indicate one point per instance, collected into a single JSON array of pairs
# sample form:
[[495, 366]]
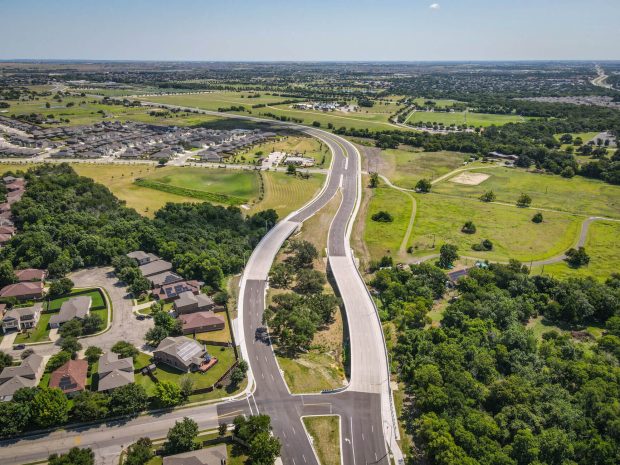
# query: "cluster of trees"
[[254, 431], [66, 222], [165, 325], [295, 317], [482, 388]]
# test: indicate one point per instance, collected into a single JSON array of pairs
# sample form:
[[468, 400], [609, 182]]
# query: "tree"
[[281, 275], [374, 180], [89, 406], [187, 386], [537, 218], [568, 172], [316, 124], [155, 335], [577, 258], [128, 399], [382, 217], [291, 169], [72, 328], [75, 456], [162, 162], [5, 360], [264, 449], [14, 418], [309, 281], [92, 354], [469, 227], [168, 394], [222, 428], [447, 256], [236, 376], [488, 196], [60, 287], [139, 286], [140, 452], [181, 437], [49, 407], [7, 273], [423, 185], [71, 345], [92, 323], [125, 350], [57, 360], [303, 254], [524, 201]]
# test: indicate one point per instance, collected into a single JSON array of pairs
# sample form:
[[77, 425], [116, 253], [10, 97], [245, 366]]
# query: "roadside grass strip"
[[186, 192]]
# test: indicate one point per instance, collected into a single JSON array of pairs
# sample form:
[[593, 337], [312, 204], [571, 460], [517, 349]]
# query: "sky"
[[311, 30]]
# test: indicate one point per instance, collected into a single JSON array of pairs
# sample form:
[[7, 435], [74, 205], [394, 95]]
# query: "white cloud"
[[434, 6]]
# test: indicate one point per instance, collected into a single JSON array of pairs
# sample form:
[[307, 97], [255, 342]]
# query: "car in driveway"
[[19, 347]]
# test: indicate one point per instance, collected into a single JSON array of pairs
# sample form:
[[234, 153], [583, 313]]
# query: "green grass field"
[[602, 247], [439, 103], [405, 168], [325, 432], [578, 195], [461, 117], [232, 187], [215, 100], [439, 220], [285, 193], [385, 238], [292, 144], [310, 373]]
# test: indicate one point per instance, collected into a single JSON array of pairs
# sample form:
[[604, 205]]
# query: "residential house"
[[143, 257], [155, 267], [215, 455], [75, 307], [165, 278], [30, 274], [188, 302], [181, 353], [71, 377], [28, 374], [172, 291], [23, 291], [201, 322], [21, 318], [114, 372]]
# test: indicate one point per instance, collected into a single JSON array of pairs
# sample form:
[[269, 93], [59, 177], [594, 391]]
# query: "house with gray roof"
[[75, 307], [188, 302], [215, 455], [165, 278], [22, 317], [142, 257], [155, 267], [182, 353], [114, 372], [28, 374]]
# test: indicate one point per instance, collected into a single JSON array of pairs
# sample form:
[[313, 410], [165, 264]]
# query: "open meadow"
[[462, 117]]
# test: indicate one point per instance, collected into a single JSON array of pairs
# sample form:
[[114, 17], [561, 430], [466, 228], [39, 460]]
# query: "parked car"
[[19, 347], [140, 317]]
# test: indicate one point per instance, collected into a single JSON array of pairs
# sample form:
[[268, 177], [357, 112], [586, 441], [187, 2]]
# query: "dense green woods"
[[483, 390], [66, 222]]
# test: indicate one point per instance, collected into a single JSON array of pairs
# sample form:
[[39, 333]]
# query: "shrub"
[[524, 201], [382, 217], [423, 185], [488, 196], [537, 218], [469, 227]]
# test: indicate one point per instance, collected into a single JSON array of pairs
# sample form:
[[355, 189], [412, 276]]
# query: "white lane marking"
[[294, 462], [293, 428], [284, 433], [262, 375], [346, 163], [255, 405], [250, 405], [362, 436], [272, 379], [352, 436], [341, 178], [372, 428], [304, 457]]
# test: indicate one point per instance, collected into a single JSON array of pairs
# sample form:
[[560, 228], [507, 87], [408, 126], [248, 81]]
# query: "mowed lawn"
[[236, 183], [385, 238], [285, 193], [602, 247], [577, 195], [407, 167], [305, 145], [439, 220], [461, 117]]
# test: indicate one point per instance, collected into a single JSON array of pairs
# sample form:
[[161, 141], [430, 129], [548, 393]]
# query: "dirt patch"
[[374, 160], [470, 179]]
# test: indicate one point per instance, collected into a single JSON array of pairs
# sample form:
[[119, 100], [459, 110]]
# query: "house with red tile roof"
[[71, 377]]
